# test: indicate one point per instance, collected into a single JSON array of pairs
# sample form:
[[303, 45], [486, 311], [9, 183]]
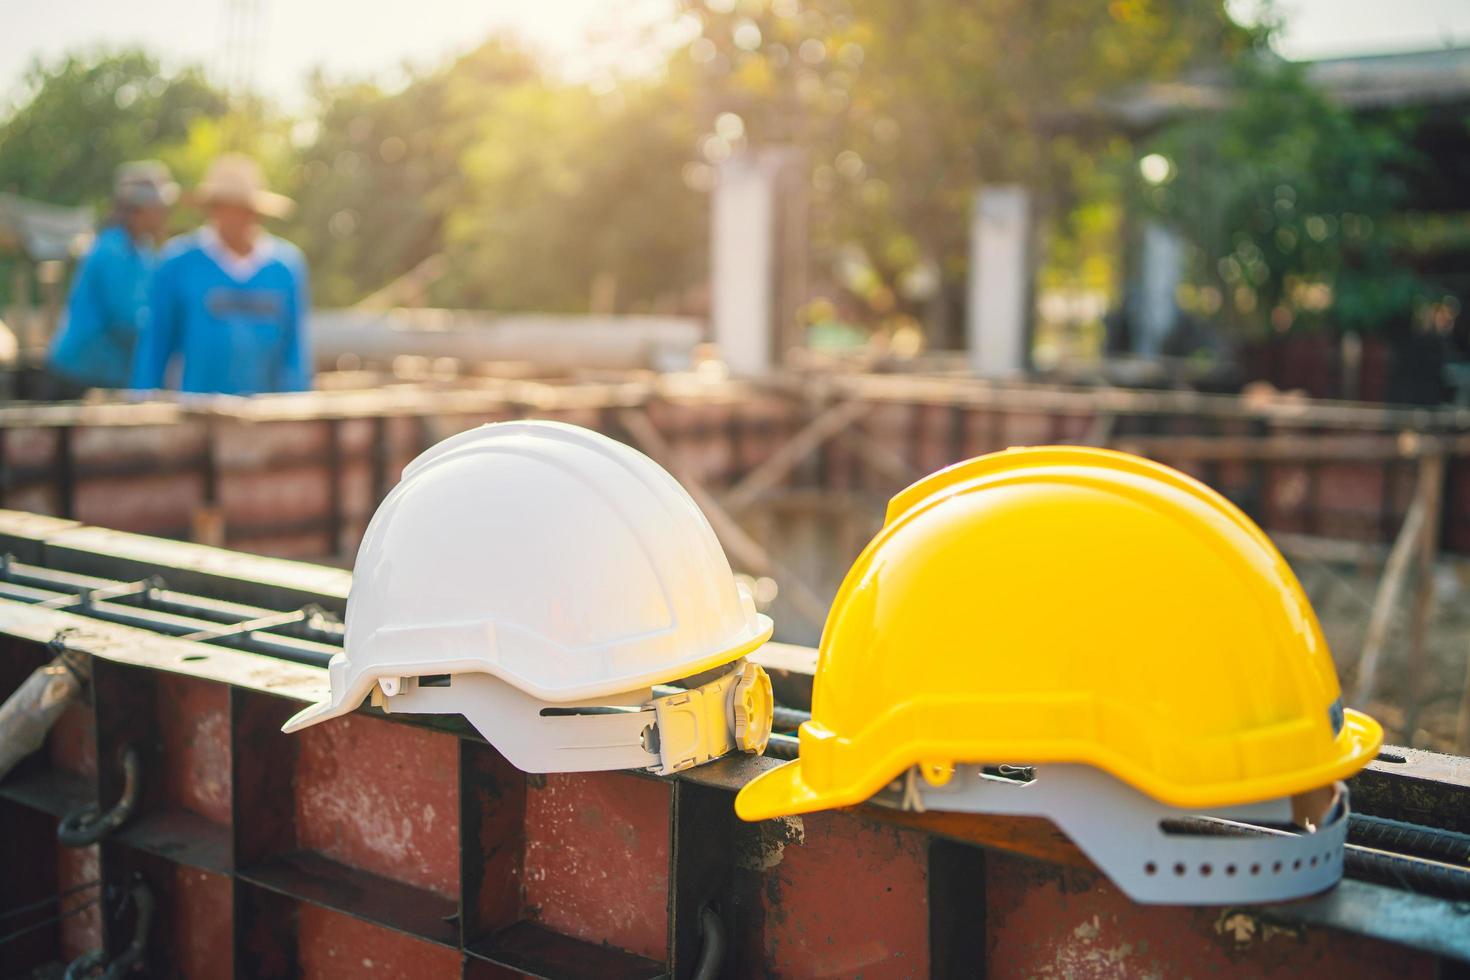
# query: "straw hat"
[[236, 179]]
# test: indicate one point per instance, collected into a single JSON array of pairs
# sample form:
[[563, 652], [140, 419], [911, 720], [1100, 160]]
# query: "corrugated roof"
[[43, 231], [1404, 79], [1379, 81]]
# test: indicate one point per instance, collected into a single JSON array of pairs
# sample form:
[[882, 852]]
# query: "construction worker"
[[104, 313], [228, 301]]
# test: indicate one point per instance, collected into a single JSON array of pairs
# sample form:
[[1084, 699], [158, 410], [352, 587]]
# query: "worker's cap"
[[144, 184], [237, 179]]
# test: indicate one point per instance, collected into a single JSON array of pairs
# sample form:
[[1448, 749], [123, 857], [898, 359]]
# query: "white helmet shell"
[[552, 558]]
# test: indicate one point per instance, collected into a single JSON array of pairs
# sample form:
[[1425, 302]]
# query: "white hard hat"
[[538, 578]]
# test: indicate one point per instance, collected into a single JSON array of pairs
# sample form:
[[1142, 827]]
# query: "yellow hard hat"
[[1071, 606]]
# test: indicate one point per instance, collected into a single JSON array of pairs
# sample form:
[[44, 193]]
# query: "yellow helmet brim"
[[778, 793], [784, 791]]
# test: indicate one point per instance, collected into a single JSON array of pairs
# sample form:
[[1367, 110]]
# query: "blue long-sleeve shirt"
[[238, 333], [105, 311]]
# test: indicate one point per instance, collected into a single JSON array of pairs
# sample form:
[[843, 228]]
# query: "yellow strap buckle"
[[732, 711]]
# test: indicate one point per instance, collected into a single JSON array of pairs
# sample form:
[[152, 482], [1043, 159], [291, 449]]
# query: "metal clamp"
[[87, 825]]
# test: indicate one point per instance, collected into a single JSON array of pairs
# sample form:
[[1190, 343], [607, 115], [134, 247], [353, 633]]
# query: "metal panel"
[[702, 848], [1050, 921], [288, 855], [846, 896], [194, 728], [492, 841], [597, 858], [381, 797], [28, 851], [957, 910], [331, 945]]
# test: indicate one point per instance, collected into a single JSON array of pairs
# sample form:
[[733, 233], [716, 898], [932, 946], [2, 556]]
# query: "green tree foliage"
[[534, 189], [903, 107], [564, 186], [1288, 200], [85, 114], [377, 183], [530, 187]]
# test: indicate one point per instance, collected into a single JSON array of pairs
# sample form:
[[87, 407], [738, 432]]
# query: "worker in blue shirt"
[[228, 304], [109, 297]]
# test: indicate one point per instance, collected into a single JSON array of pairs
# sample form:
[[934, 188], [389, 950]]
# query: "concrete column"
[[742, 264], [1160, 270], [999, 313]]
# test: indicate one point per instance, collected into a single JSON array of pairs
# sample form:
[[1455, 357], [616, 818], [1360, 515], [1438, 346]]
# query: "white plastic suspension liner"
[[632, 730], [1121, 830], [551, 574]]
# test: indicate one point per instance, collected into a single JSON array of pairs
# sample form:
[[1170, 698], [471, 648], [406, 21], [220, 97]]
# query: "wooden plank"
[[1292, 448], [1410, 537], [746, 551], [1462, 719], [879, 457], [1417, 672], [769, 474], [980, 393]]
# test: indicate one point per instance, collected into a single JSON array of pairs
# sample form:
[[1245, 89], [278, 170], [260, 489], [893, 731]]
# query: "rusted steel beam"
[[273, 582]]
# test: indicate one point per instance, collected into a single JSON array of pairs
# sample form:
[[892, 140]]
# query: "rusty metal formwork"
[[298, 475], [379, 846]]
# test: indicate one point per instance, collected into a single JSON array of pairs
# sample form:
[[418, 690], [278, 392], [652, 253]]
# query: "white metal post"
[[1160, 270], [742, 263], [1000, 281]]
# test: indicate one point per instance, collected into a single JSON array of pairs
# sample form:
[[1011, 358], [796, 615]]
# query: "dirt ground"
[[1421, 712]]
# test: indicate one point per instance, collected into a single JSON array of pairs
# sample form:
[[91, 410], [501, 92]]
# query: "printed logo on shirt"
[[259, 304]]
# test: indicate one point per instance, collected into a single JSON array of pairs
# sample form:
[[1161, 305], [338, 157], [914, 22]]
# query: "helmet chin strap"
[[630, 730], [1205, 858]]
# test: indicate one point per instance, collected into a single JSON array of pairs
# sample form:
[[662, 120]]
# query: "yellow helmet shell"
[[1062, 604]]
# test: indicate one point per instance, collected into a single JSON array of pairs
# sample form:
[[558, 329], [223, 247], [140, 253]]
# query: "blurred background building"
[[1157, 193]]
